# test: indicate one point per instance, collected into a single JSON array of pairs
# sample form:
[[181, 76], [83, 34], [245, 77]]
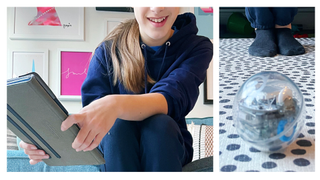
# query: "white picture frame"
[[110, 24], [186, 9], [26, 61], [71, 24]]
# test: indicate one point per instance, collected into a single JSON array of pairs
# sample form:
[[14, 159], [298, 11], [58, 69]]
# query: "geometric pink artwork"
[[46, 16], [207, 9], [74, 68]]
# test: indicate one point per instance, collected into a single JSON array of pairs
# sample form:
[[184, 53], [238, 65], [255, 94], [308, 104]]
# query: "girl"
[[142, 81], [273, 31]]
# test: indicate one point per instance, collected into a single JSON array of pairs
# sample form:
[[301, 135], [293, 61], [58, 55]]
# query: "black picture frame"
[[205, 93], [115, 9]]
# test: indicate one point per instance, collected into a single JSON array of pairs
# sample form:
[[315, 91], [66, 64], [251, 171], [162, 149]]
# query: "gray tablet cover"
[[35, 115]]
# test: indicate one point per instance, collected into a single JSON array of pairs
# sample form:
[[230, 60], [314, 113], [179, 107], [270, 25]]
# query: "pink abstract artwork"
[[74, 67], [46, 16], [207, 9]]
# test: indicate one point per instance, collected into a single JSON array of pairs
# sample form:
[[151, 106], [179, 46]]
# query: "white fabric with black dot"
[[236, 66]]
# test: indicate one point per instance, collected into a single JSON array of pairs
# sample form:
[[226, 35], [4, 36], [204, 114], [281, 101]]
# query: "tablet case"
[[35, 115]]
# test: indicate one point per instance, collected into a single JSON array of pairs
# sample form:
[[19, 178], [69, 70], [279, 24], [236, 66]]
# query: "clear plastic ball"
[[268, 111]]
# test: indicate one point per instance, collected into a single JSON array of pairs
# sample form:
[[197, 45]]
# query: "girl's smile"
[[155, 23], [158, 22]]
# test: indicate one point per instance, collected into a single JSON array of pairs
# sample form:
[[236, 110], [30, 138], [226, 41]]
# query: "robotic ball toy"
[[269, 111]]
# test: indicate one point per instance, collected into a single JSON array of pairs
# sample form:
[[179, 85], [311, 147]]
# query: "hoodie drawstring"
[[164, 56], [143, 46]]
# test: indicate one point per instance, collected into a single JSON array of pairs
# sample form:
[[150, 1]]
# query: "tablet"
[[35, 115]]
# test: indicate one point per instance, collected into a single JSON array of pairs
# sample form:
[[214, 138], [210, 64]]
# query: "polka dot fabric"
[[235, 67]]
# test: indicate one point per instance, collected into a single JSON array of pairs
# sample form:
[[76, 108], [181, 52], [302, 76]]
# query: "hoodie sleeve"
[[181, 86], [98, 82]]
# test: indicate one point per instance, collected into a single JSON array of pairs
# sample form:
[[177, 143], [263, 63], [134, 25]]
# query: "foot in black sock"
[[287, 44], [264, 44]]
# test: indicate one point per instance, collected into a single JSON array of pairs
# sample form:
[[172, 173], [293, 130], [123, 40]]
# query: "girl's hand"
[[94, 120], [35, 155], [97, 118]]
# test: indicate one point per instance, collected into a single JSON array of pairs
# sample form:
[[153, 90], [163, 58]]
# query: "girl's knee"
[[160, 127], [162, 145], [160, 122]]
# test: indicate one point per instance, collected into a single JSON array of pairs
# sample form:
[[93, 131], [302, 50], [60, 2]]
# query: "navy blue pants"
[[267, 18], [154, 144]]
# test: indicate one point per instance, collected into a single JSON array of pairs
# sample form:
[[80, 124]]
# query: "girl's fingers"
[[81, 137], [34, 152], [95, 142], [33, 162], [38, 157], [71, 119], [87, 142], [24, 145]]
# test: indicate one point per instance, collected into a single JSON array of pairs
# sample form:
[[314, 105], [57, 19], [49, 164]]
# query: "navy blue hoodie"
[[178, 67]]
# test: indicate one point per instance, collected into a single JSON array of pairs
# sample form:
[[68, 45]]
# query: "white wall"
[[94, 33]]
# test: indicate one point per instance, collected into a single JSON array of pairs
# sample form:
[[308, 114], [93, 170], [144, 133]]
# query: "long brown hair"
[[127, 58]]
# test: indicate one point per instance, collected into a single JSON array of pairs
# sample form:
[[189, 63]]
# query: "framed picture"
[[204, 16], [208, 85], [110, 24], [47, 23], [115, 9], [26, 61], [73, 66]]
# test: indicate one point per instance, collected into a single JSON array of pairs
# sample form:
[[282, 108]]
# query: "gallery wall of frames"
[[57, 43]]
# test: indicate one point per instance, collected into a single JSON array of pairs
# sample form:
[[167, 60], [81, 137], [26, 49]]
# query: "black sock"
[[287, 44], [264, 44]]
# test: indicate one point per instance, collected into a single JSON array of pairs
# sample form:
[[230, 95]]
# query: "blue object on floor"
[[18, 161]]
